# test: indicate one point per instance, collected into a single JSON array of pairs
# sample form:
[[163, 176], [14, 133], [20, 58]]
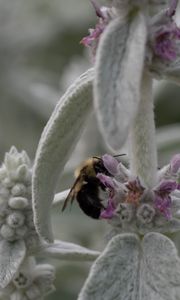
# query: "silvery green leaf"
[[11, 256], [160, 268], [114, 275], [130, 269], [69, 251], [119, 67], [56, 144]]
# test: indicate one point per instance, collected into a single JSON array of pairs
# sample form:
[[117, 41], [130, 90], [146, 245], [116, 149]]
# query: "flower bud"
[[21, 281], [7, 232], [15, 220], [24, 174], [175, 164], [145, 213], [18, 202], [7, 182], [18, 189], [125, 212]]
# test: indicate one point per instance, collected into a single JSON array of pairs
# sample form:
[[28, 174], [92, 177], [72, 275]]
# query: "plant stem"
[[143, 152]]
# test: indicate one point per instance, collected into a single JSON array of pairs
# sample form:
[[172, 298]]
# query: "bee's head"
[[99, 166]]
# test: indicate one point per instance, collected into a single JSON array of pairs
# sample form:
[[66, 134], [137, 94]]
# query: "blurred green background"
[[40, 55]]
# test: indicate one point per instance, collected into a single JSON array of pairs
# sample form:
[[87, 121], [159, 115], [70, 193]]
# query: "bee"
[[86, 188]]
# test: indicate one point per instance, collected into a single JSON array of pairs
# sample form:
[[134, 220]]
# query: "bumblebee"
[[86, 188]]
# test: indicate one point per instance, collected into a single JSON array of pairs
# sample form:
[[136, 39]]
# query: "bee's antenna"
[[97, 157], [117, 155]]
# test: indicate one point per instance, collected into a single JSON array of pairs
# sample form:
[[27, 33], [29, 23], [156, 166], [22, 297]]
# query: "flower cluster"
[[16, 218], [31, 282], [21, 277], [131, 202], [105, 15], [163, 33], [163, 41]]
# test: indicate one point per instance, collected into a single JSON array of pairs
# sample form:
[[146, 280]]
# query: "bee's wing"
[[71, 195]]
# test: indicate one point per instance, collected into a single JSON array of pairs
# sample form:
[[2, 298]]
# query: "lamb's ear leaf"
[[68, 251], [130, 269], [12, 255], [114, 275], [160, 271], [56, 144], [118, 72]]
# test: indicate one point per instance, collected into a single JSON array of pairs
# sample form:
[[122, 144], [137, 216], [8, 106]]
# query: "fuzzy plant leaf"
[[56, 144], [69, 251], [12, 255], [131, 269], [118, 73], [160, 268], [114, 274]]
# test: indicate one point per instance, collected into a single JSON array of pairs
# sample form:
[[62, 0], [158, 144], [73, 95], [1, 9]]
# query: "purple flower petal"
[[165, 41], [108, 213], [106, 180], [166, 187], [163, 204], [110, 163], [104, 15], [98, 10], [178, 186], [175, 163], [166, 34], [172, 9]]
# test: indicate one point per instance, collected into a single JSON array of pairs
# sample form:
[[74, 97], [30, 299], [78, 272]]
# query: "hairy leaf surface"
[[118, 73], [56, 144], [129, 269]]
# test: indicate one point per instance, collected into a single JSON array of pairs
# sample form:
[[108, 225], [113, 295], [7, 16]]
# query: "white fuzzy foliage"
[[68, 251], [160, 268], [114, 274], [56, 144], [131, 269], [119, 66], [11, 256], [142, 139]]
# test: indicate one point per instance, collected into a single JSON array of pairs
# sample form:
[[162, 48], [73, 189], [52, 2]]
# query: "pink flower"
[[162, 200], [134, 191], [172, 8], [109, 183], [165, 42], [166, 35], [110, 164], [175, 164], [163, 204], [108, 213], [92, 40]]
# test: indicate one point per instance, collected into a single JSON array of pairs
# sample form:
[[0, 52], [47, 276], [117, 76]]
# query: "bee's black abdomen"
[[88, 198]]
